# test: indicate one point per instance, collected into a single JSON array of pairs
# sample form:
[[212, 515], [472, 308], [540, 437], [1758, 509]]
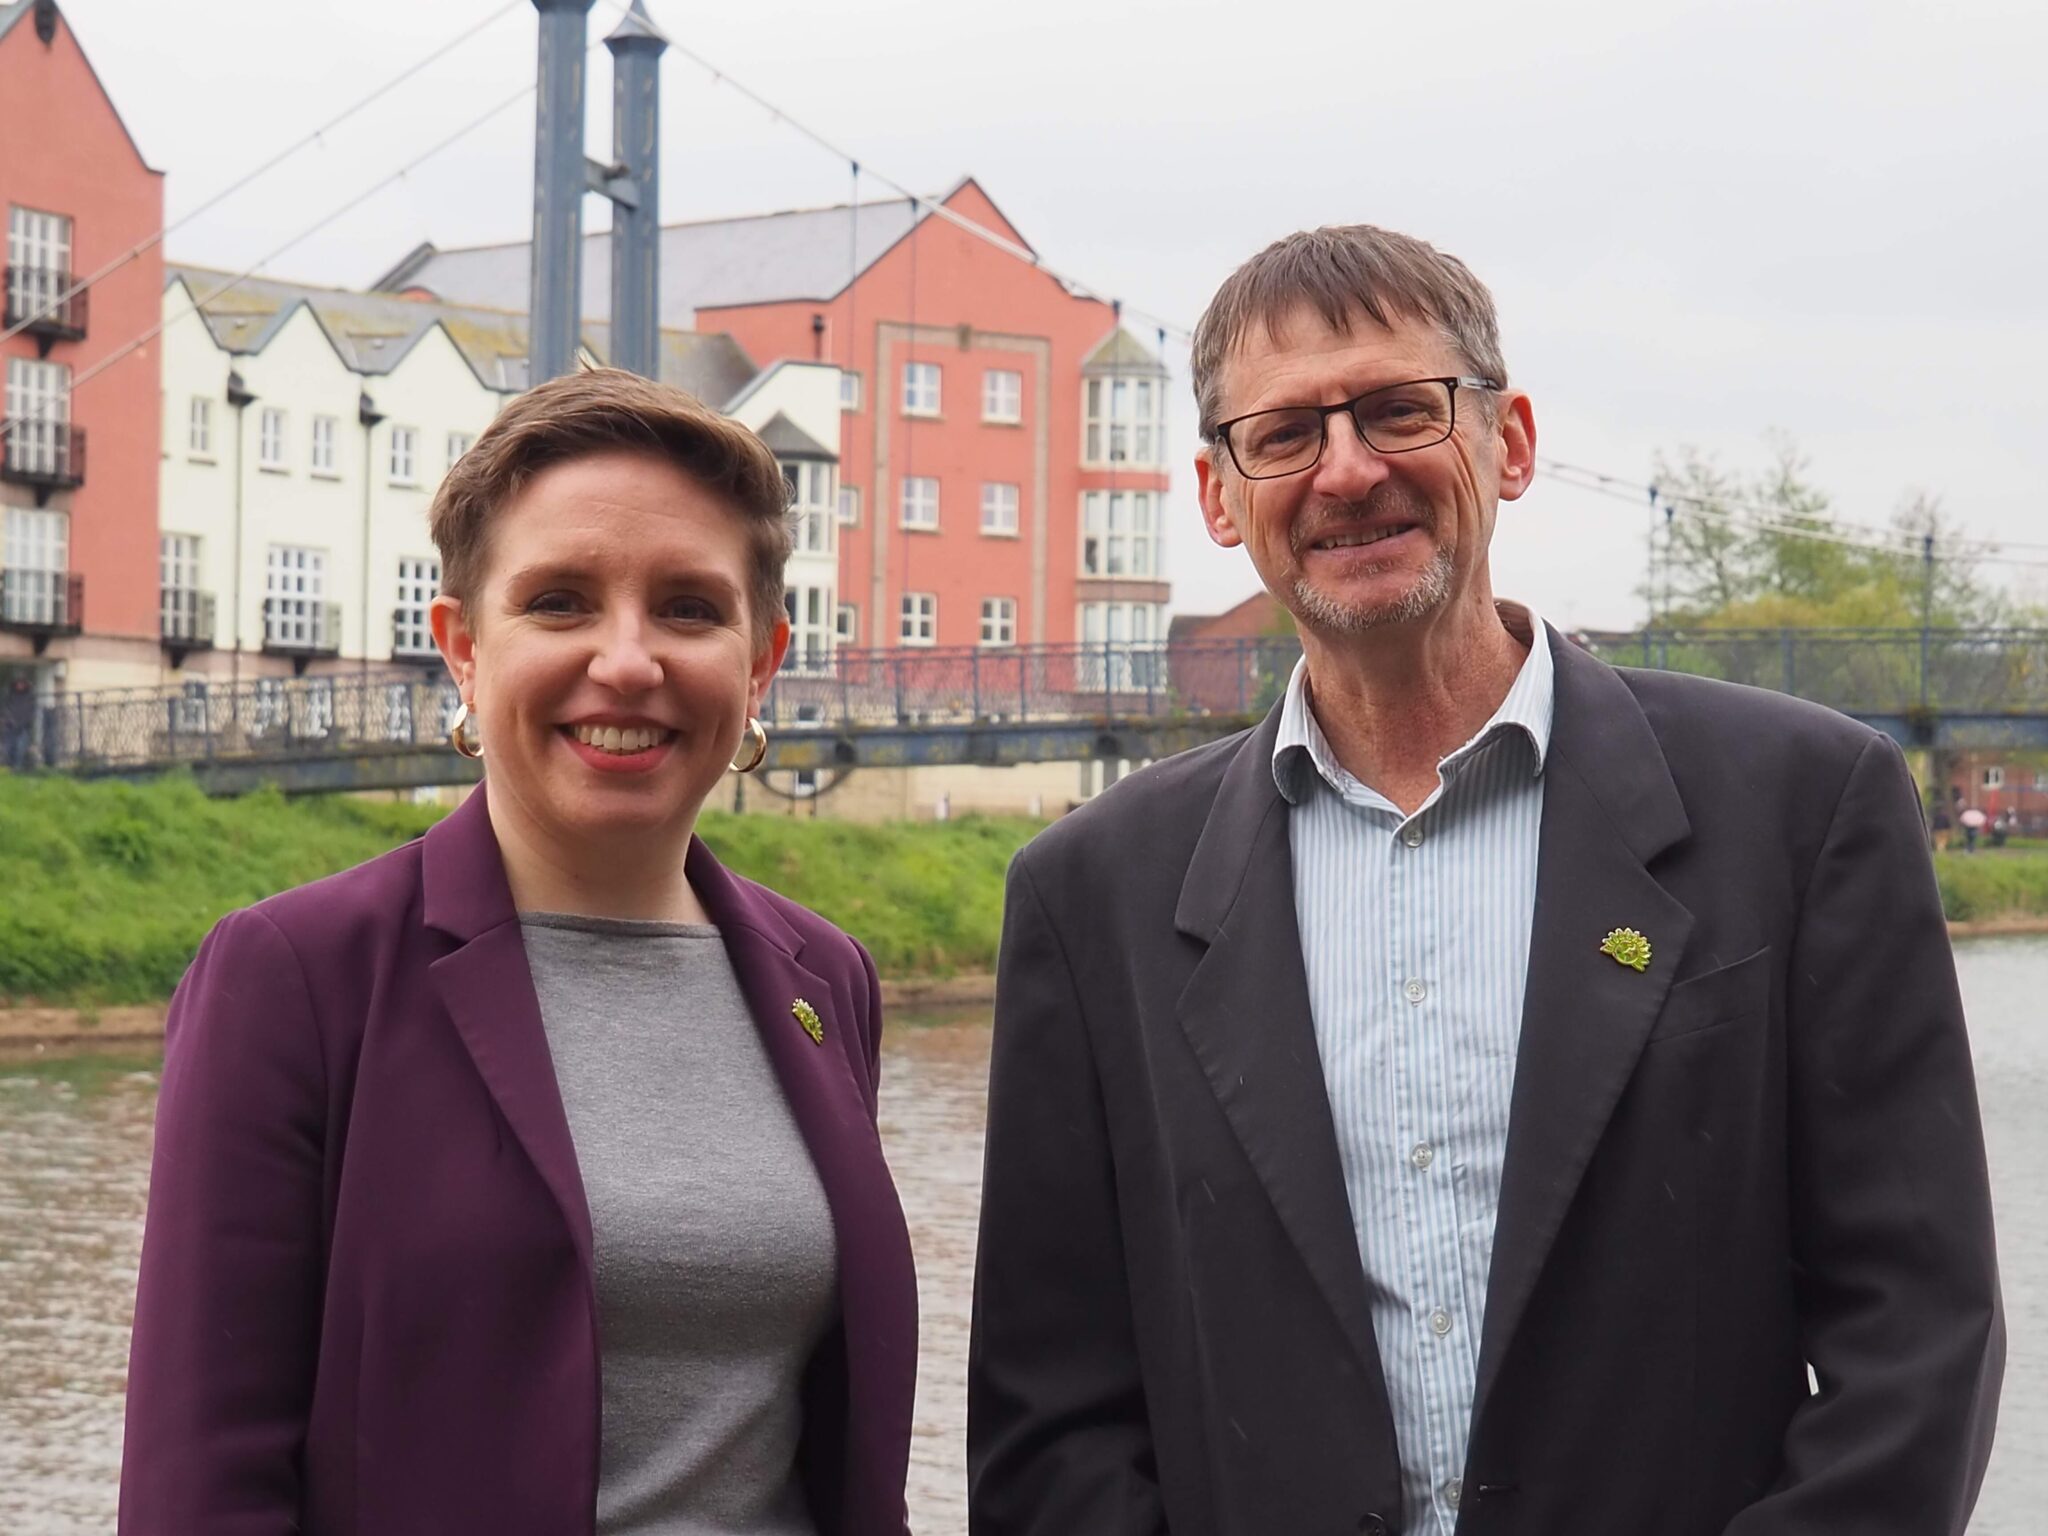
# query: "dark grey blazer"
[[1762, 1152]]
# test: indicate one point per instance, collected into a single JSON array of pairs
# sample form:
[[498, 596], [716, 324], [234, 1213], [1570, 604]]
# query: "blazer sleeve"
[[1892, 1247], [226, 1310], [1057, 1435]]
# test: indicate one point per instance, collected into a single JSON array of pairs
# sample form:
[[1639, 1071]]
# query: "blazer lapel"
[[878, 1286], [1245, 1010], [487, 989], [1609, 808]]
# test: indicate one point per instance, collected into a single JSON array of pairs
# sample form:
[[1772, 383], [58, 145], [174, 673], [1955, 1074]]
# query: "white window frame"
[[412, 629], [295, 596], [1120, 535], [38, 405], [1994, 777], [918, 619], [1110, 634], [35, 552], [918, 512], [849, 506], [405, 456], [270, 437], [1002, 396], [321, 460], [39, 259], [849, 390], [813, 513], [808, 606], [998, 622], [459, 443], [177, 583], [1001, 509], [846, 623], [199, 428], [1123, 421], [923, 384]]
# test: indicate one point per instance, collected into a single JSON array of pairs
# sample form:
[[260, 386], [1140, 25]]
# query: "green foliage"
[[110, 887], [1992, 884], [1765, 550]]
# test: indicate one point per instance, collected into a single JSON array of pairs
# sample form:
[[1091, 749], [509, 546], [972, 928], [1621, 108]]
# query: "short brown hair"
[[607, 410], [1342, 271]]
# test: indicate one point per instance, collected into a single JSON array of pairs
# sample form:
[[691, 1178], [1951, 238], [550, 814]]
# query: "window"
[[34, 556], [295, 581], [1120, 534], [270, 439], [846, 624], [999, 510], [38, 261], [1994, 778], [1126, 421], [459, 443], [405, 454], [411, 633], [921, 502], [812, 517], [199, 428], [999, 621], [1002, 395], [920, 618], [849, 505], [920, 389], [849, 390], [1117, 646], [2041, 778], [38, 410], [324, 432], [810, 627], [178, 587]]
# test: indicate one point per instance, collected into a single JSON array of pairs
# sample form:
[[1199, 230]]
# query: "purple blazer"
[[367, 1303]]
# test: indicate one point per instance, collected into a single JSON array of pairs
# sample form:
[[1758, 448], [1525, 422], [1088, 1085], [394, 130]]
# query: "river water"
[[74, 1154]]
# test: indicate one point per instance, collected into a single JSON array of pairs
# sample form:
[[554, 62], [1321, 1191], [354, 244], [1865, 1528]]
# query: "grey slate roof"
[[808, 253], [790, 441], [373, 332]]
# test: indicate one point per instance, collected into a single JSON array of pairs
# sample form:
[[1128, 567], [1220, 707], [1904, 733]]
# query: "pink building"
[[1003, 455], [78, 468]]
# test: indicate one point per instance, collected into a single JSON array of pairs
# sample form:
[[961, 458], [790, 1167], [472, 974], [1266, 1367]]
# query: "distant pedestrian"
[[1973, 821], [18, 722]]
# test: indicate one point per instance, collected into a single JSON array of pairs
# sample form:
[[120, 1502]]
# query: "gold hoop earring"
[[458, 737], [757, 737]]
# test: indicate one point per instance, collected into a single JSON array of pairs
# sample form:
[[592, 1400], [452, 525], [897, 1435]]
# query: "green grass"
[[110, 887], [1993, 883]]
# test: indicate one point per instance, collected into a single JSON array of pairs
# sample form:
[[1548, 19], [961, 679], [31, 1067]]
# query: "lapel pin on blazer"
[[807, 1016], [1628, 948]]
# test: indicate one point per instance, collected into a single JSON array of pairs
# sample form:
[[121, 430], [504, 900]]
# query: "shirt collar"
[[1302, 748]]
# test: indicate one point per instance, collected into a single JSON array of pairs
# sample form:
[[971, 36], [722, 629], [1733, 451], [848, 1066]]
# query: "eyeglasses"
[[1398, 418]]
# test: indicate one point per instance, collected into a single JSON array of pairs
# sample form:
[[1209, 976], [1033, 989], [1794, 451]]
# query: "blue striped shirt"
[[1415, 937]]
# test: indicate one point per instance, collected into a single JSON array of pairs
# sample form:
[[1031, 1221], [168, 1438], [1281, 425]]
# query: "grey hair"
[[1342, 271]]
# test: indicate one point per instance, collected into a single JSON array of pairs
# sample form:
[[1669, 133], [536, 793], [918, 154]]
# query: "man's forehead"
[[1303, 339]]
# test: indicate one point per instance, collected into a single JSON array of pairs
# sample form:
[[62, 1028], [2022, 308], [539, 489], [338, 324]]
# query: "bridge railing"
[[1858, 671]]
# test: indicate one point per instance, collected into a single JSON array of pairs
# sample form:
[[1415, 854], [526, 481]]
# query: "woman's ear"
[[456, 639]]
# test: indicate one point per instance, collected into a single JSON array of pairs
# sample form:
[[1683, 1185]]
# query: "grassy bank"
[[106, 889], [1993, 884]]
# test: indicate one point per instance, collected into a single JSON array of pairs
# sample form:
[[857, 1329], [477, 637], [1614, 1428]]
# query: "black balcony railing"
[[41, 603], [49, 455], [40, 301], [301, 626], [186, 617]]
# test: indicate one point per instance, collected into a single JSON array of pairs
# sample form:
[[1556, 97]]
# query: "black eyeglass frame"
[[1221, 432]]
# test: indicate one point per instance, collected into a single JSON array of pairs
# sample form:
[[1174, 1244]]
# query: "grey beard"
[[1320, 611]]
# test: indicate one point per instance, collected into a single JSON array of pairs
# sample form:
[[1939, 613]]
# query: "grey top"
[[717, 1270]]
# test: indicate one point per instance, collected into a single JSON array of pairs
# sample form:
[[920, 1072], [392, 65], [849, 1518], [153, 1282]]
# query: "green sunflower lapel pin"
[[1628, 948], [807, 1016]]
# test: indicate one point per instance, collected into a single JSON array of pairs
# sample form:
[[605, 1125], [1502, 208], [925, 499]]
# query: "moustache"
[[1387, 503]]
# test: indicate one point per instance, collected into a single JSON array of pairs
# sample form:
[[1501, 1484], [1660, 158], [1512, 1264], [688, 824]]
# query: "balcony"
[[40, 301], [186, 621], [302, 628], [41, 604], [46, 455]]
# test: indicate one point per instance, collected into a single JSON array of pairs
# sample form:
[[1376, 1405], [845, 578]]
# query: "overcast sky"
[[1702, 221]]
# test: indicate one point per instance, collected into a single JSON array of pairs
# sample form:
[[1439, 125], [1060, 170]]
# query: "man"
[[1473, 1097]]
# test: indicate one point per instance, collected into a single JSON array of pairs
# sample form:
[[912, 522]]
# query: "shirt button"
[[1415, 991], [1454, 1490], [1412, 836], [1423, 1155], [1439, 1322]]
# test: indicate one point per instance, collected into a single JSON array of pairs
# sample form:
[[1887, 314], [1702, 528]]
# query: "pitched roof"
[[1121, 352], [21, 11], [373, 332], [10, 14], [788, 440], [805, 253]]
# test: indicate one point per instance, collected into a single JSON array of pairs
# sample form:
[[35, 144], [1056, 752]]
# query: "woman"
[[526, 1179]]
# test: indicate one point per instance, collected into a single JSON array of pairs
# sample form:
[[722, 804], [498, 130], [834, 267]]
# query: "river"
[[74, 1150]]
